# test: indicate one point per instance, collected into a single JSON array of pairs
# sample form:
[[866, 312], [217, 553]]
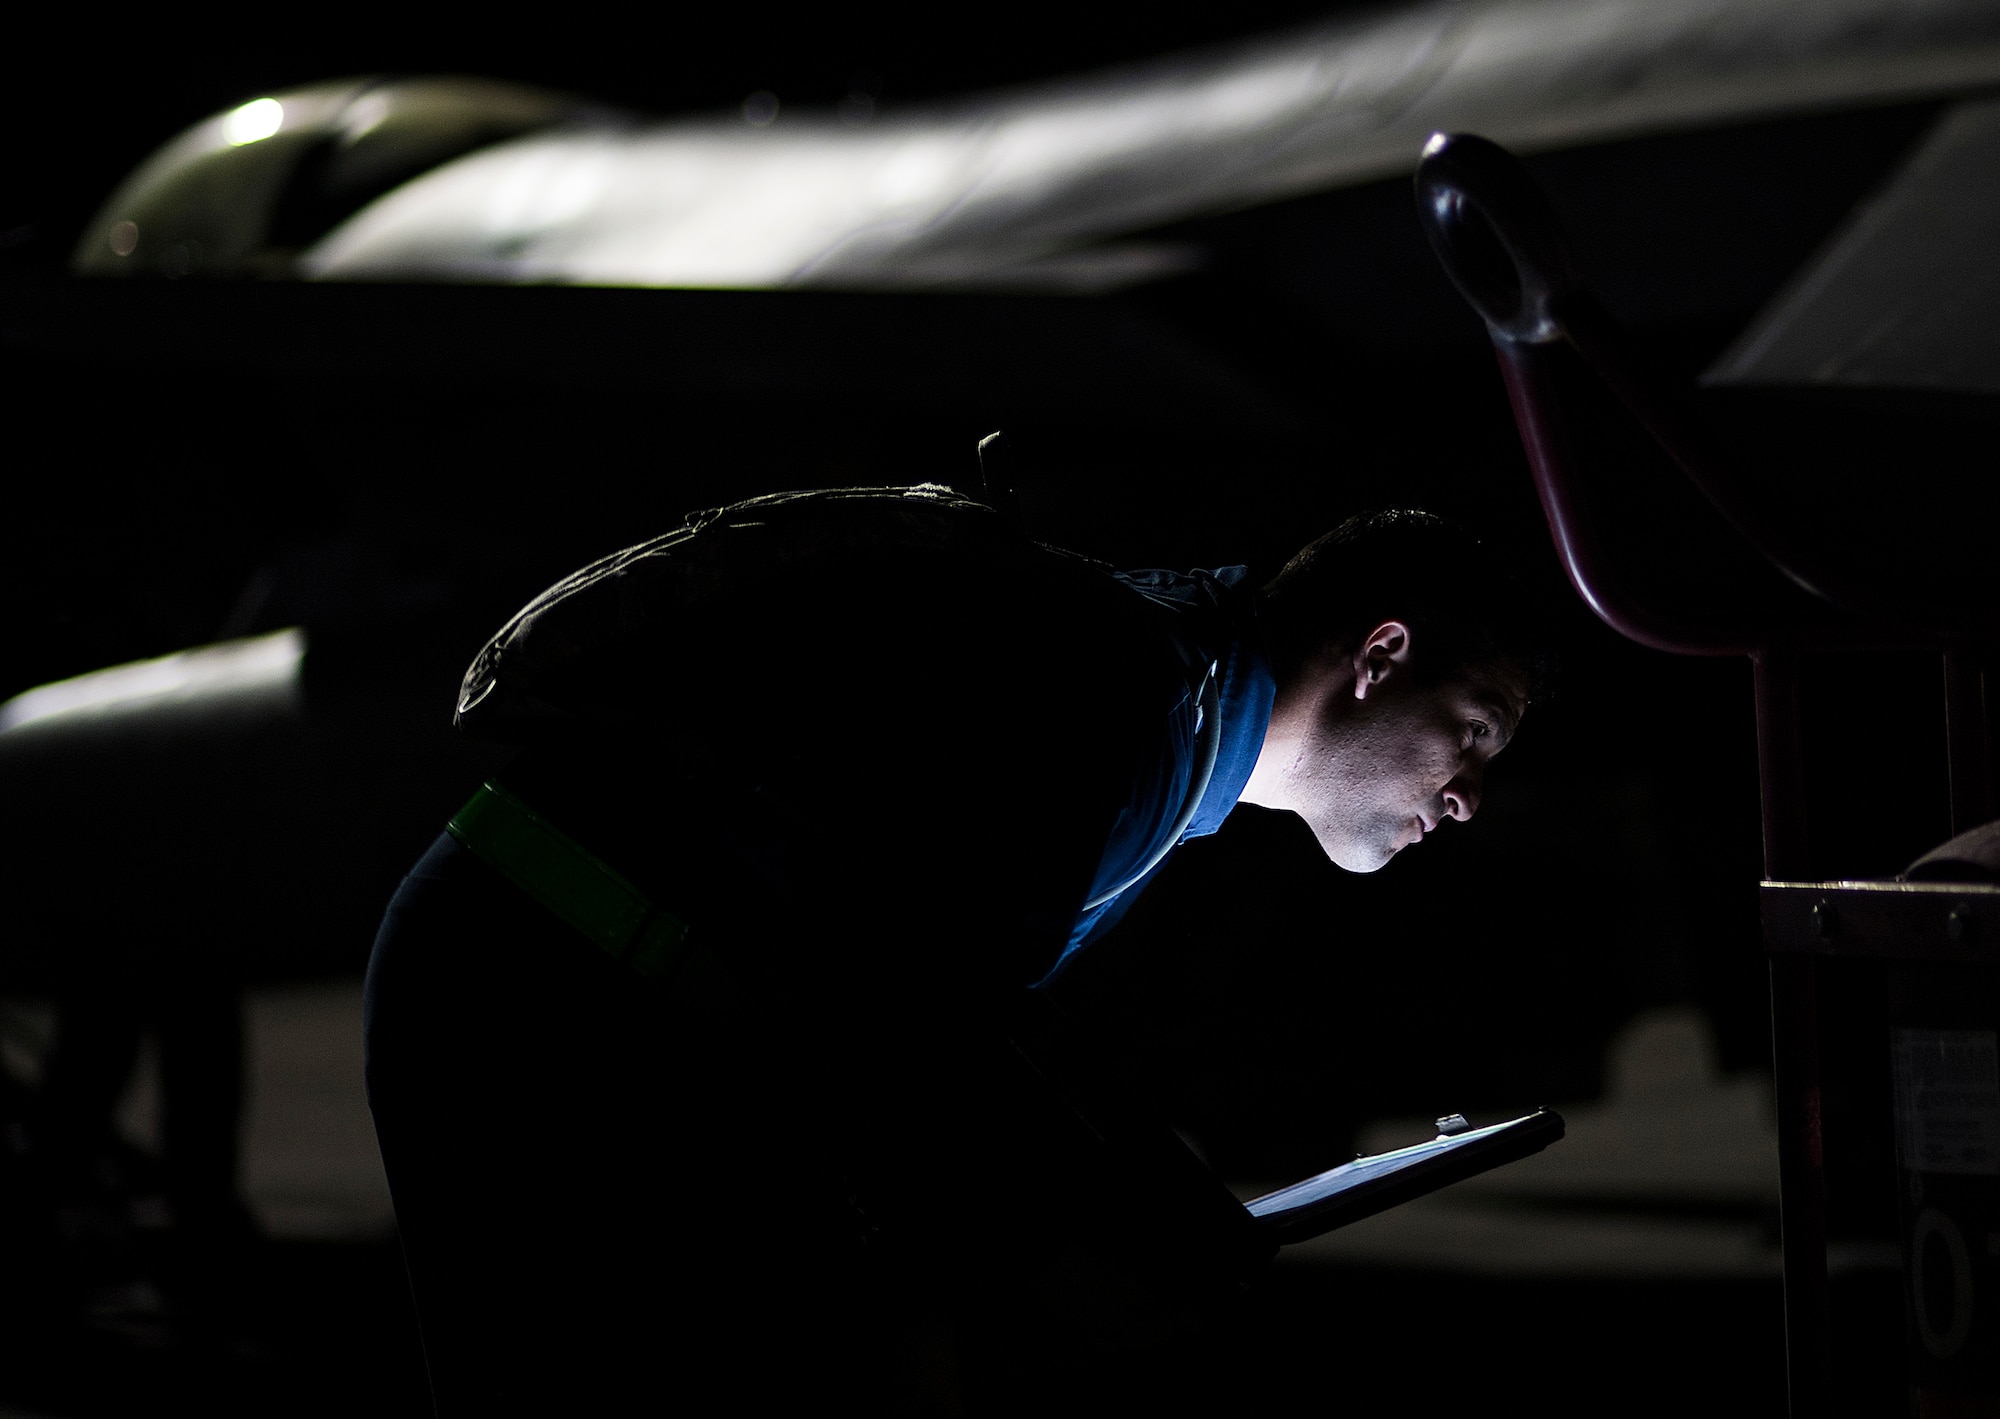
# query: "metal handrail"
[[1500, 242]]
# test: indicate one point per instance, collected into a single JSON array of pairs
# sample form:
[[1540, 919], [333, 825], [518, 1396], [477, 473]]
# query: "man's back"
[[878, 793]]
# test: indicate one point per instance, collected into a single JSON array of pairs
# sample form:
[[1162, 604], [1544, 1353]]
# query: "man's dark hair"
[[1466, 608]]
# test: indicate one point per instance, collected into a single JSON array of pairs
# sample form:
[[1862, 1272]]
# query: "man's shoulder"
[[1212, 608]]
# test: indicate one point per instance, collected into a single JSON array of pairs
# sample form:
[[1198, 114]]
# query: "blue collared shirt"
[[1220, 627]]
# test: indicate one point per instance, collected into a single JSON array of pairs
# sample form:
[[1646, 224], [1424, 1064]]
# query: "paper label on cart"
[[1947, 1100]]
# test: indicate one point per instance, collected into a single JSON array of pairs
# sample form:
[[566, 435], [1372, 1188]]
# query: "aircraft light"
[[257, 119]]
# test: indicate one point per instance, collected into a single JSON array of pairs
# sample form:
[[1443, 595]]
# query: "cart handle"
[[1496, 236], [1499, 240]]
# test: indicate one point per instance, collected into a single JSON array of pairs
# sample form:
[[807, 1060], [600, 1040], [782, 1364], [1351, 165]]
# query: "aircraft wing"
[[1906, 294]]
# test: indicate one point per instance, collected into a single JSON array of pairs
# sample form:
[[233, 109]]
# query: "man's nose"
[[1461, 796]]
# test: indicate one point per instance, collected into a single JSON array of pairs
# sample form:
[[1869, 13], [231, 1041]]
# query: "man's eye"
[[1478, 728]]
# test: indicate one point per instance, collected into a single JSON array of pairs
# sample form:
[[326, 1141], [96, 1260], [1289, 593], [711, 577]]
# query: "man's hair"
[[1465, 608]]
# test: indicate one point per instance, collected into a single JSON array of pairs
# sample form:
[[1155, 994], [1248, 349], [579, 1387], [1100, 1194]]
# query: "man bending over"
[[703, 1048]]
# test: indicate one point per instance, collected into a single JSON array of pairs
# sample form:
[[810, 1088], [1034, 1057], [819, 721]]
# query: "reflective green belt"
[[574, 883]]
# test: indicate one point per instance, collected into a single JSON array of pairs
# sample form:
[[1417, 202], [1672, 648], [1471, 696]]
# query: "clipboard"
[[1376, 1182]]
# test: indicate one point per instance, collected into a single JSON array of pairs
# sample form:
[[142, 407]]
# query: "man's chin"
[[1361, 858]]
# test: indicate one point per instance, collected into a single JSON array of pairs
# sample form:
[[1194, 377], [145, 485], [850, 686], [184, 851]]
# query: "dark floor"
[[326, 1329], [1630, 1270], [302, 1328]]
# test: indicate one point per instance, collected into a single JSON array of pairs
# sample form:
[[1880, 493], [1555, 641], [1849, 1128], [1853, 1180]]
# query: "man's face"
[[1383, 762]]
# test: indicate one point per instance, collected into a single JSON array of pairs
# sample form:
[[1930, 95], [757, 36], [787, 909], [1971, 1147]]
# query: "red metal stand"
[[1929, 956]]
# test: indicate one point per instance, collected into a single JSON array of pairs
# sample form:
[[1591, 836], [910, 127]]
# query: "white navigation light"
[[259, 118]]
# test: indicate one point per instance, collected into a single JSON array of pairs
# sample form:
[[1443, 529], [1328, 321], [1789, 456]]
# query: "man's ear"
[[1382, 653]]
